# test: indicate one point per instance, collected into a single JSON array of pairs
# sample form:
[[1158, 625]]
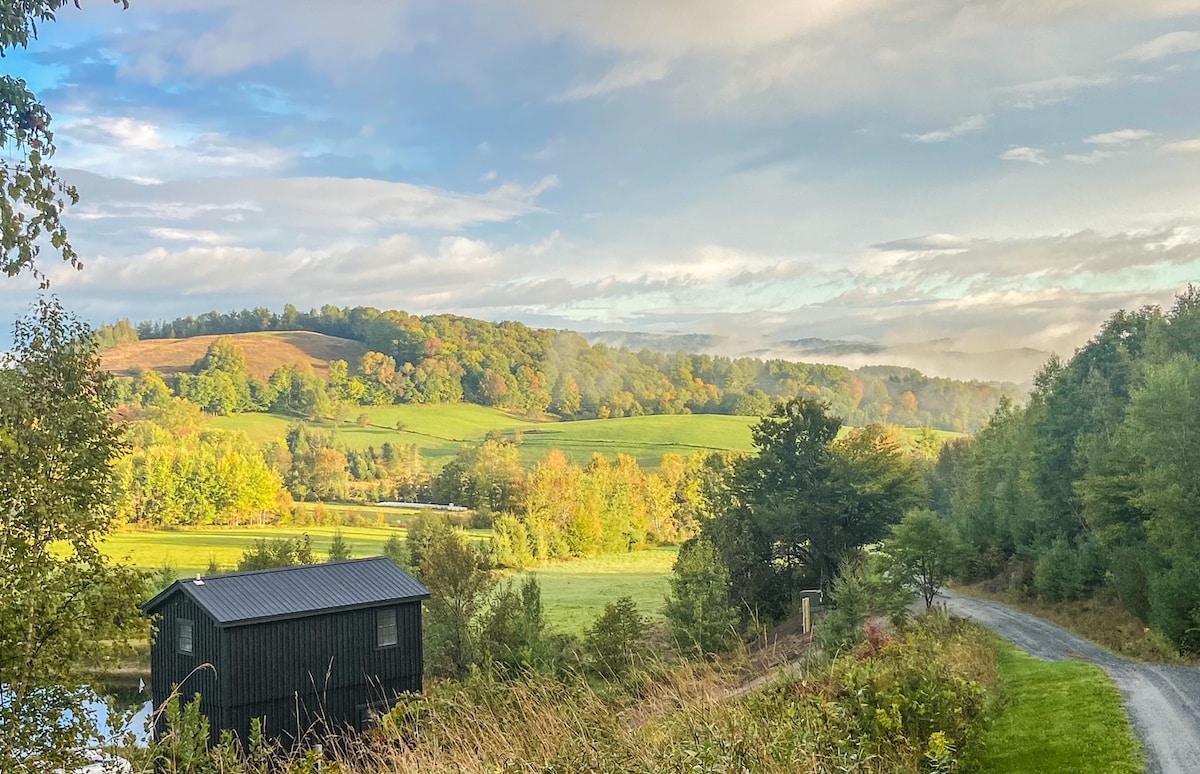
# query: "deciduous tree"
[[923, 552], [63, 608]]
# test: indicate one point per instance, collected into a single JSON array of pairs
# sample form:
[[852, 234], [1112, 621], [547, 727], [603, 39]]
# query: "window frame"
[[180, 625], [381, 628]]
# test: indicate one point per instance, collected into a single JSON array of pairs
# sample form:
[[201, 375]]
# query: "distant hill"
[[937, 357], [398, 358], [264, 352]]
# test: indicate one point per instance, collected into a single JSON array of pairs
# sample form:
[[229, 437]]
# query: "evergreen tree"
[[702, 618]]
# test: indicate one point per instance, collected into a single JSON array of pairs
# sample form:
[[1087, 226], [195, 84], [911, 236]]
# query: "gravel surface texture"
[[1163, 701]]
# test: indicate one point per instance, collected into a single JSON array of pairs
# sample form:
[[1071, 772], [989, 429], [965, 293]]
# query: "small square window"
[[185, 636], [385, 629]]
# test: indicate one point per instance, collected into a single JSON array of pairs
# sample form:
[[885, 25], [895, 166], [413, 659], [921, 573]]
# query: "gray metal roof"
[[292, 592]]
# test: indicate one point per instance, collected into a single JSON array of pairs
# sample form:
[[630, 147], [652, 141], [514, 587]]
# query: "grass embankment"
[[1057, 716], [1102, 619], [915, 703]]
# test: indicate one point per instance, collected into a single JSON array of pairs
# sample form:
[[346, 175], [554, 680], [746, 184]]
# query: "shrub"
[[511, 542], [842, 627], [1066, 572], [616, 641]]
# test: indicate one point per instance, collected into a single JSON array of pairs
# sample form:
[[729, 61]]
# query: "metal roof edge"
[[322, 611], [160, 597]]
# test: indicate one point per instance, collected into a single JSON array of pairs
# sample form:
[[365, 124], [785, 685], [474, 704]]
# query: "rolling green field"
[[575, 592], [440, 431], [188, 551]]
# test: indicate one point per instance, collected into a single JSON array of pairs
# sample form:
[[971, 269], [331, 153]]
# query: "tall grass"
[[913, 704]]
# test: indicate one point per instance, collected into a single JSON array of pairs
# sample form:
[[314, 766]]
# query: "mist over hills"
[[948, 358], [390, 356]]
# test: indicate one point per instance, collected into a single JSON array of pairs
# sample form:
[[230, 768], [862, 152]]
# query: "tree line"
[[1092, 486], [447, 358]]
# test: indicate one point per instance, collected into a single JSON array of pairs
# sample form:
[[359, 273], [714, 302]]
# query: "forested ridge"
[[447, 358], [1093, 485]]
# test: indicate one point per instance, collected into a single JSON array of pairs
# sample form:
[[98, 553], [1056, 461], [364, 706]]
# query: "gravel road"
[[1163, 702]]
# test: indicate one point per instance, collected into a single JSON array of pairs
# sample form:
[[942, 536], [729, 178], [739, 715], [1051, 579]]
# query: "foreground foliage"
[[63, 608], [916, 703]]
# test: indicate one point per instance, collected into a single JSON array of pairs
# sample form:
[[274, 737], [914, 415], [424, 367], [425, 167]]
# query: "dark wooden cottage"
[[318, 647]]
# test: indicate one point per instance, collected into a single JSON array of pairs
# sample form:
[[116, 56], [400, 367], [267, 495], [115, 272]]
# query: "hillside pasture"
[[264, 353], [440, 431]]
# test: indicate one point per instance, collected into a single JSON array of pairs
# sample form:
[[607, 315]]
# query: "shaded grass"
[[1057, 717], [574, 593]]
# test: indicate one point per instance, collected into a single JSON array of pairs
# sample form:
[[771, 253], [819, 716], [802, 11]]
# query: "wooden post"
[[806, 606]]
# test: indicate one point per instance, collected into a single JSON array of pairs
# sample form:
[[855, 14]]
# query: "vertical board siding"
[[319, 669], [170, 668]]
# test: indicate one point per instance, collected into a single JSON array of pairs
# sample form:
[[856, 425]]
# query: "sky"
[[987, 175]]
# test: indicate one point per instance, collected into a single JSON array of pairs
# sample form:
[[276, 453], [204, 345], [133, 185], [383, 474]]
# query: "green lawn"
[[441, 431], [189, 551], [574, 593], [1058, 716]]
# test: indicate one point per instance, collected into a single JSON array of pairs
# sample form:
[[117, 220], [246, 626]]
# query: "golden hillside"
[[264, 352]]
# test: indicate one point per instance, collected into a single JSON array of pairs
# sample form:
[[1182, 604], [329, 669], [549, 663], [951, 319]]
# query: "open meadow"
[[573, 592], [440, 431]]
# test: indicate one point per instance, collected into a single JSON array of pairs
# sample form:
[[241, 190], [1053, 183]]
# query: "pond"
[[122, 712]]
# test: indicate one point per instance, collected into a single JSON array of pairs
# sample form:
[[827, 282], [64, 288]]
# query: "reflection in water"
[[122, 712]]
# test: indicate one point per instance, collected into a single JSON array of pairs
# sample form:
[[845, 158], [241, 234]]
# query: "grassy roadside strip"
[[1101, 619], [1057, 716]]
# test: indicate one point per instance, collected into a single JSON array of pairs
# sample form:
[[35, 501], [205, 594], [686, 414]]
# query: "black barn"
[[319, 646]]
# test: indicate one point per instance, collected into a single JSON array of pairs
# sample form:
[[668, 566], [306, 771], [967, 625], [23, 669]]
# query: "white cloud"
[[187, 235], [625, 75], [966, 126], [297, 210], [1119, 137], [1163, 46], [1029, 155], [1048, 91], [1094, 157], [1184, 146], [137, 148], [335, 39]]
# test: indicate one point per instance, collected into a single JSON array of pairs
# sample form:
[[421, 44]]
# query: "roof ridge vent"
[[198, 581]]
